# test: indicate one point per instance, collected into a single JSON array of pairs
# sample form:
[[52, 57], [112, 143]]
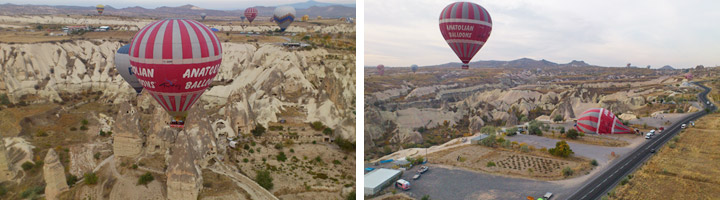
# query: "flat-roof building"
[[378, 179]]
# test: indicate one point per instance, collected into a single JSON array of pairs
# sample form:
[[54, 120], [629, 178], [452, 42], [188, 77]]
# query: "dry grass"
[[10, 118], [534, 164], [688, 171], [594, 140]]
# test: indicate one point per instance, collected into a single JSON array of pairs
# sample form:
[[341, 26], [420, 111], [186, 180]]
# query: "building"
[[377, 180], [102, 29], [478, 139], [72, 29]]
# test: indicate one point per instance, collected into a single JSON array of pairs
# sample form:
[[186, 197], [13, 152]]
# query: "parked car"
[[683, 126], [423, 169], [416, 177], [652, 150], [548, 195]]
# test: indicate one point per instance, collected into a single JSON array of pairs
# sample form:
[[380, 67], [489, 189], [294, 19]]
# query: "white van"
[[648, 135], [683, 126]]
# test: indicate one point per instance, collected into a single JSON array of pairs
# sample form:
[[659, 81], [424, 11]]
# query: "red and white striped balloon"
[[600, 121], [175, 60], [466, 27], [250, 14]]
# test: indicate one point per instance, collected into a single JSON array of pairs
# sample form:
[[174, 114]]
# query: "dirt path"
[[247, 184]]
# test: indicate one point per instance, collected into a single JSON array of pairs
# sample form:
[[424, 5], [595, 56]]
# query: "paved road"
[[603, 182], [442, 183]]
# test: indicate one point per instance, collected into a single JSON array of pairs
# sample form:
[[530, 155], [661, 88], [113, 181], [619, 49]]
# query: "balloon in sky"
[[414, 68], [100, 8], [284, 16], [203, 15], [466, 27], [381, 70], [122, 65], [250, 14], [175, 60], [600, 121]]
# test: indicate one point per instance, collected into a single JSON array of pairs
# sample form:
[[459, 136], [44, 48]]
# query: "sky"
[[600, 32], [208, 4]]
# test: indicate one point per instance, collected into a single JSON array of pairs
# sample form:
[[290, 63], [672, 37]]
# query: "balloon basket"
[[466, 67], [177, 125]]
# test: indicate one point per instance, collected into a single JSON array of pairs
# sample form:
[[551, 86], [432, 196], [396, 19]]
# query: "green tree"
[[4, 100], [327, 131], [264, 179], [71, 179], [318, 126], [572, 134], [258, 130], [558, 118], [567, 171], [90, 178], [281, 157], [561, 149], [490, 141], [27, 165], [426, 197], [345, 144], [145, 179], [488, 130], [350, 196]]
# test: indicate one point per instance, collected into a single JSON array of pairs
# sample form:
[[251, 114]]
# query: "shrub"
[[73, 129], [562, 130], [318, 126], [327, 131], [488, 130], [561, 149], [594, 162], [41, 133], [281, 157], [567, 171], [84, 122], [344, 144], [336, 162], [426, 197], [245, 160], [258, 130], [524, 148], [246, 147], [318, 159], [91, 179], [83, 127], [264, 179], [572, 134], [490, 164], [27, 165], [278, 146], [71, 179], [145, 179], [558, 118], [4, 100], [624, 181], [97, 155], [350, 196]]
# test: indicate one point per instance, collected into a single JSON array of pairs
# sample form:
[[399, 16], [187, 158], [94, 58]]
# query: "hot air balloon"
[[251, 13], [381, 70], [414, 68], [100, 8], [284, 16], [319, 17], [242, 18], [203, 15], [175, 60], [122, 65], [600, 121], [466, 27], [305, 18]]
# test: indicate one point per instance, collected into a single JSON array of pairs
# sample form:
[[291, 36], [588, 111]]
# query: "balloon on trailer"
[[284, 16], [466, 27], [250, 14], [381, 70], [100, 8], [600, 121], [203, 15], [414, 68], [175, 60], [122, 65]]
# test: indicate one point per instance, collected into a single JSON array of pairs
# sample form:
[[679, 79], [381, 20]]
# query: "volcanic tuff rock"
[[54, 174], [193, 148], [127, 138]]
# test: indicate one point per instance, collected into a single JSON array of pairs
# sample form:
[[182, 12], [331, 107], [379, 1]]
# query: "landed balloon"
[[284, 16], [100, 8], [381, 70], [122, 65], [250, 14], [414, 68], [600, 121], [175, 60], [466, 27], [203, 15]]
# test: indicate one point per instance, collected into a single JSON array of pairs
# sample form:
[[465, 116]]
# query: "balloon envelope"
[[250, 14], [600, 121], [414, 68], [175, 60], [284, 16], [203, 15], [381, 70], [100, 8], [122, 65], [466, 27]]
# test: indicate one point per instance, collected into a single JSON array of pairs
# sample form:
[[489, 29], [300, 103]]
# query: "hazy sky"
[[209, 4], [600, 32]]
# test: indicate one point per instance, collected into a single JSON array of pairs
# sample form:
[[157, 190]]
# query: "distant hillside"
[[315, 9], [667, 67], [519, 63], [312, 3]]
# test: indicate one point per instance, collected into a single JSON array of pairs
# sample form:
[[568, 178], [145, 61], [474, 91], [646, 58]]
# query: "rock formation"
[[127, 141], [54, 174]]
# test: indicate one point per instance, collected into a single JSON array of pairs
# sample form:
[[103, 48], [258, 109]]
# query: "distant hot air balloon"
[[381, 70], [600, 121], [284, 16], [100, 8], [305, 18], [319, 17], [466, 27], [414, 68], [203, 15], [175, 60], [251, 13], [242, 18], [122, 65], [689, 76]]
